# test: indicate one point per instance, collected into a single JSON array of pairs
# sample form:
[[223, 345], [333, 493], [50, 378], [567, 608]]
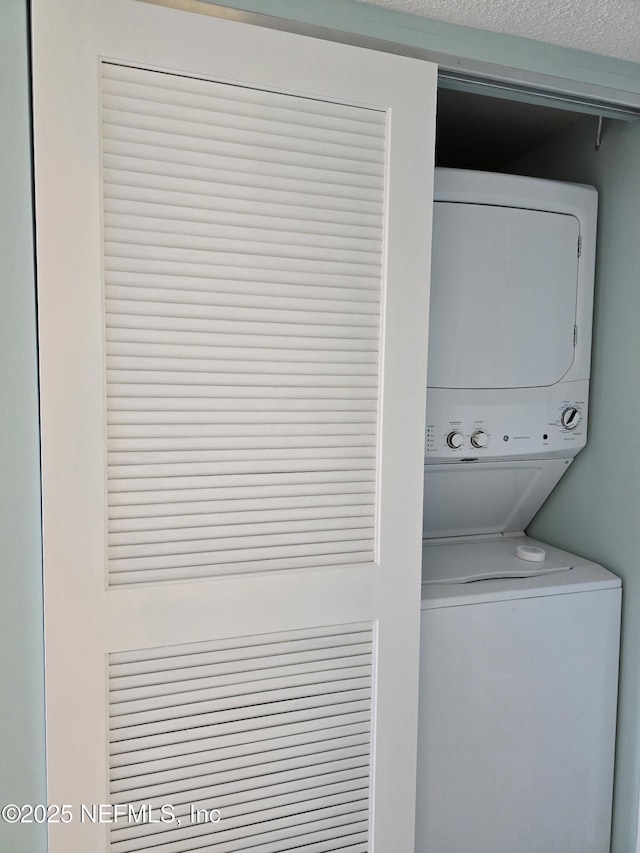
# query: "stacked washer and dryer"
[[519, 640]]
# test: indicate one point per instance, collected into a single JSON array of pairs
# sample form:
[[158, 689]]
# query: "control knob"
[[570, 418], [479, 438], [455, 439]]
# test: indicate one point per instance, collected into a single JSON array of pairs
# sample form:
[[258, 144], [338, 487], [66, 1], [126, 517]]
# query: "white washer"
[[518, 690]]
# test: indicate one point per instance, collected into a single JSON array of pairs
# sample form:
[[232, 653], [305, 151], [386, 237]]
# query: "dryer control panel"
[[490, 429]]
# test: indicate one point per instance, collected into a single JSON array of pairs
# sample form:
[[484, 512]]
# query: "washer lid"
[[464, 562]]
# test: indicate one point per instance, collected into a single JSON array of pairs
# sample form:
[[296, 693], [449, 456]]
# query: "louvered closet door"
[[233, 254]]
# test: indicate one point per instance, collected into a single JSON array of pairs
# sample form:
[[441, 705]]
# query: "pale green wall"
[[595, 510], [611, 529], [22, 775]]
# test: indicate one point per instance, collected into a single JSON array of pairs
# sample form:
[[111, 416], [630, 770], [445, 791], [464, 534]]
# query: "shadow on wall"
[[596, 508]]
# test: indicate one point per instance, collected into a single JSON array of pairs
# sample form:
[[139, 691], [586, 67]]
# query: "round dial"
[[570, 418], [479, 438], [455, 439]]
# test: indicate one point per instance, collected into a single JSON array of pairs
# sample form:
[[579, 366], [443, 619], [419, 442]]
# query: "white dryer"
[[519, 640], [509, 347]]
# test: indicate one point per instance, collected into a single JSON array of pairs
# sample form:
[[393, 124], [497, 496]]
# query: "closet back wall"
[[595, 510]]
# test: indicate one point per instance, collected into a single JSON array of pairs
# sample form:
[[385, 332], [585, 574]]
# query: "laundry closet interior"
[[492, 681]]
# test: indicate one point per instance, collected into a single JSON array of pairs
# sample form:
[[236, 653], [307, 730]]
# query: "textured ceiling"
[[608, 27]]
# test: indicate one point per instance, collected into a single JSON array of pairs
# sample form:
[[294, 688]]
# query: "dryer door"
[[503, 296]]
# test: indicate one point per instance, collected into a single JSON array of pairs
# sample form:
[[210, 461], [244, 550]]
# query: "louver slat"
[[278, 742], [243, 242], [207, 763], [238, 100], [353, 231], [237, 511]]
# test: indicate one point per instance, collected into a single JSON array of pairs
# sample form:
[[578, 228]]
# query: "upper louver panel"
[[243, 241]]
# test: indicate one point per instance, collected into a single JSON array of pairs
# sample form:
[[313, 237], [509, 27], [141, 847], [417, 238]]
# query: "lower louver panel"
[[260, 742]]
